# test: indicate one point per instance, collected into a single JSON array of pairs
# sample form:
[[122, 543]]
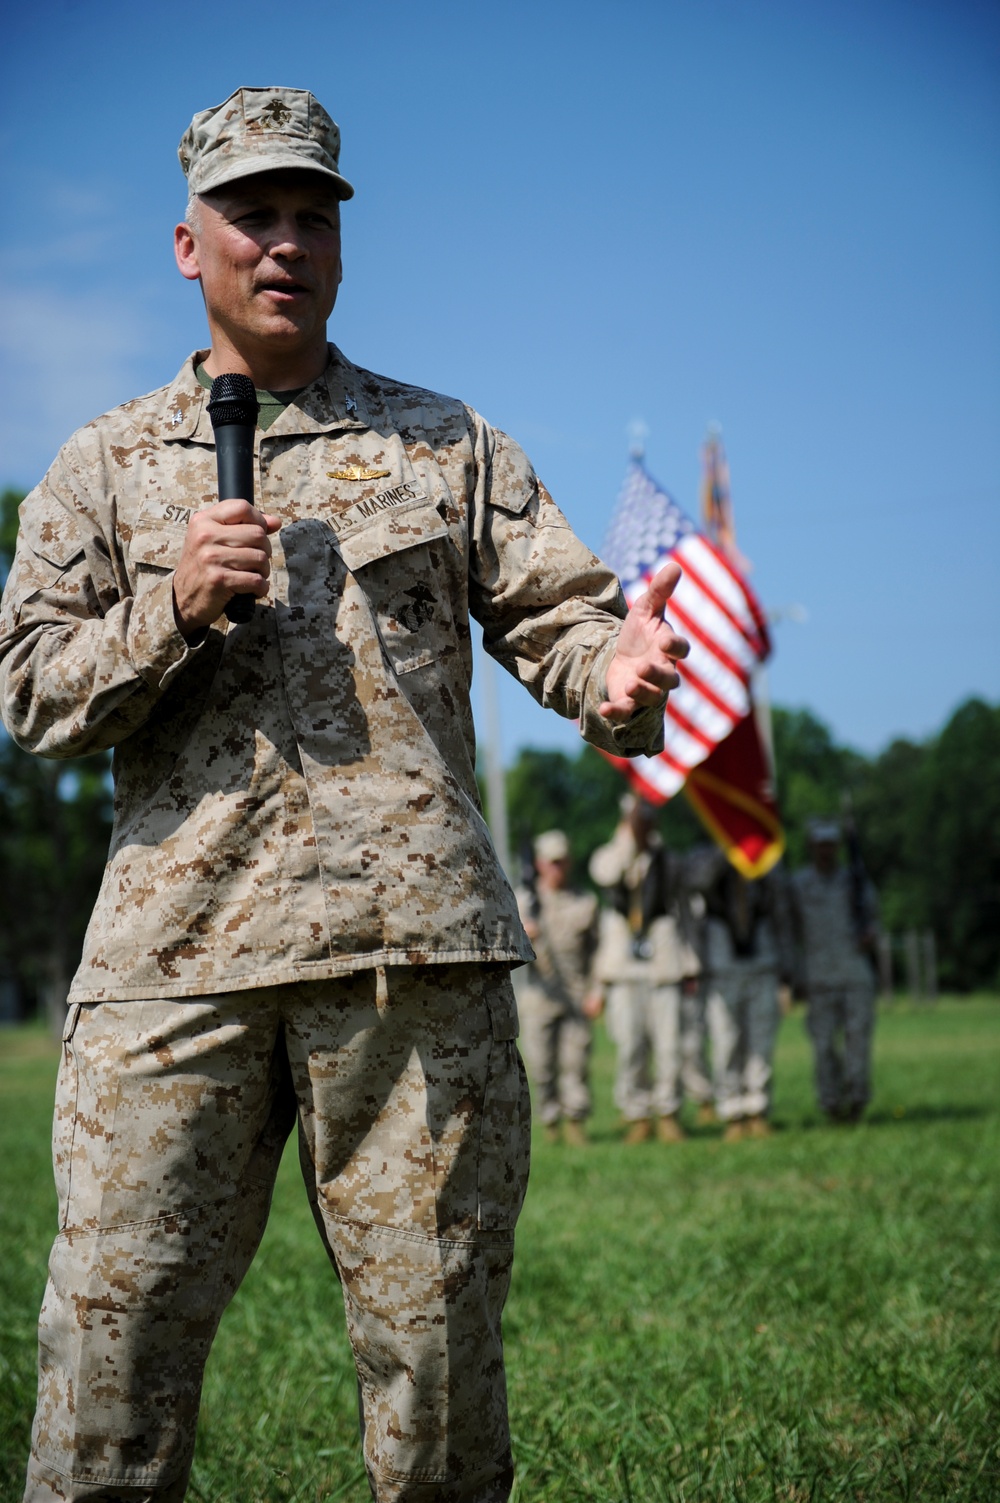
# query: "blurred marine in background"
[[558, 995], [835, 914], [646, 958], [746, 952]]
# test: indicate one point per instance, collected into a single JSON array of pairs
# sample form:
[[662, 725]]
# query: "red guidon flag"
[[712, 744]]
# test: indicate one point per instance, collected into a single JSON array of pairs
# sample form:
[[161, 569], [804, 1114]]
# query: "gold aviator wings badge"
[[357, 472]]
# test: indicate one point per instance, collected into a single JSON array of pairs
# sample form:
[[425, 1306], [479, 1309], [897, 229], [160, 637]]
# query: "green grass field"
[[812, 1317]]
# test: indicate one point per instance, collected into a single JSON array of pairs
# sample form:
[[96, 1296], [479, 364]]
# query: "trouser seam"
[[481, 1239], [423, 1475], [148, 1477], [182, 1215]]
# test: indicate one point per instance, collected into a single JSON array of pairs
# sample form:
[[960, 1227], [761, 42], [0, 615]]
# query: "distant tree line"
[[928, 817]]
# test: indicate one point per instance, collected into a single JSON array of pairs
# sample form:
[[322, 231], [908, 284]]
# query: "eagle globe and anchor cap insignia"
[[274, 116]]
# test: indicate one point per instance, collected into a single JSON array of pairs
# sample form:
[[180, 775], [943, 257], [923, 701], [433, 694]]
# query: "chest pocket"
[[156, 545], [395, 557]]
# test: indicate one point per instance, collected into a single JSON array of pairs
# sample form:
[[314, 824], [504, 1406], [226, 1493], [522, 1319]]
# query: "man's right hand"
[[227, 551]]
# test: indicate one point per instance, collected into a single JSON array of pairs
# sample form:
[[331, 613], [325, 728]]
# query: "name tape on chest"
[[388, 500]]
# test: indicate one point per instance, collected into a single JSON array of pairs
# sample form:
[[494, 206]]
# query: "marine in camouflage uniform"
[[835, 912], [302, 916], [745, 947], [557, 995], [645, 958]]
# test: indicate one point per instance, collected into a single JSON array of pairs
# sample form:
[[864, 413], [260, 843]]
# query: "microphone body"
[[233, 408]]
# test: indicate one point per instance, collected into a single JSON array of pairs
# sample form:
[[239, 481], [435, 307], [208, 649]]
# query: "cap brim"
[[278, 161]]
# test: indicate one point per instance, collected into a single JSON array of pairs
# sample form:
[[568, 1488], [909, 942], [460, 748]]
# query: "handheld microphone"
[[233, 408]]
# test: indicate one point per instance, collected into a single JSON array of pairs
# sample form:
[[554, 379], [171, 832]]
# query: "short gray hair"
[[192, 214]]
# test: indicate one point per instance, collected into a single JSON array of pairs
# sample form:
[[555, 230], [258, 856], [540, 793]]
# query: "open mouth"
[[285, 289]]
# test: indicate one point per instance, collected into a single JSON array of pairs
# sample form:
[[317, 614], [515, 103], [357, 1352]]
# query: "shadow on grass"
[[881, 1118]]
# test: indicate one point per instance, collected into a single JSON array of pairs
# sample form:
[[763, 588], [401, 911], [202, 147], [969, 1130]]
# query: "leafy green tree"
[[958, 824], [581, 795], [813, 775], [10, 500], [55, 823], [927, 815]]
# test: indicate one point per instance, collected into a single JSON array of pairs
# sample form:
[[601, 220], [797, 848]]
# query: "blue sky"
[[781, 217]]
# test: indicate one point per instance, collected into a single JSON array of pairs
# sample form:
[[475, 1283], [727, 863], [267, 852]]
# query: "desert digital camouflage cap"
[[261, 130], [552, 846]]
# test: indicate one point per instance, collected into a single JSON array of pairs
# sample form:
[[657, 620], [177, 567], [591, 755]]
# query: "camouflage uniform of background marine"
[[646, 953], [745, 949], [556, 1034], [829, 914], [302, 913]]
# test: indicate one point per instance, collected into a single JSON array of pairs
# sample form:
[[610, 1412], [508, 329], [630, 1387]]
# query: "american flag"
[[713, 606]]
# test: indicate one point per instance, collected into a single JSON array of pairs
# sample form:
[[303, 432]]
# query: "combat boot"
[[574, 1133], [640, 1131], [706, 1115], [669, 1130], [735, 1131], [552, 1132], [758, 1127]]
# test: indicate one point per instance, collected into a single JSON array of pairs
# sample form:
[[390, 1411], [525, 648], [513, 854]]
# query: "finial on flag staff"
[[716, 501], [638, 433]]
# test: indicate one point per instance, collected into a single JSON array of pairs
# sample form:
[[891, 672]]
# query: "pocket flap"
[[513, 484], [390, 531], [50, 531], [158, 544]]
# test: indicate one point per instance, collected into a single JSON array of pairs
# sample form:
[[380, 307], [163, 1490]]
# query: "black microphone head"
[[233, 399]]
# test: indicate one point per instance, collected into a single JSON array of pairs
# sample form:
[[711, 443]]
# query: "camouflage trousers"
[[557, 1050], [743, 1017], [840, 1021], [644, 1024], [171, 1115], [696, 1082]]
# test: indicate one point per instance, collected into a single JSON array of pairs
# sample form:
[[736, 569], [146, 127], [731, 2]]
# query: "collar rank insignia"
[[350, 404], [357, 472]]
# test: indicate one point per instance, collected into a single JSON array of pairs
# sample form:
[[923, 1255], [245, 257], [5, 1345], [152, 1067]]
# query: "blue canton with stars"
[[646, 526]]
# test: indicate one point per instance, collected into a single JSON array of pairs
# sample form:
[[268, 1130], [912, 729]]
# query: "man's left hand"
[[643, 671]]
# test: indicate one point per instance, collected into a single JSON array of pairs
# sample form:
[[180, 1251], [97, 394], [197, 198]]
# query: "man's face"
[[825, 854], [641, 821], [553, 875], [266, 250]]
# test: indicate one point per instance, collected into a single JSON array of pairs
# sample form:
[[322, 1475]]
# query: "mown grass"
[[814, 1317]]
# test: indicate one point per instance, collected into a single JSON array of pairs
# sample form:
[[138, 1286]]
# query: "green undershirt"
[[272, 403]]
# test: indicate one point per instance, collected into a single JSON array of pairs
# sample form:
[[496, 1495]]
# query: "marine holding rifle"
[[646, 957], [835, 920], [558, 995], [302, 920]]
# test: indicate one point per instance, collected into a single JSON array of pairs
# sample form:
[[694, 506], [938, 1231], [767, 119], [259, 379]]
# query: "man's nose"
[[288, 241]]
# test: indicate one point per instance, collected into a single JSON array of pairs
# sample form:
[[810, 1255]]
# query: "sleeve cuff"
[[640, 735], [156, 646]]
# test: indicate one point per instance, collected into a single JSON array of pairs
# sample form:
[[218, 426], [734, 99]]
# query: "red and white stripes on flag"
[[713, 606]]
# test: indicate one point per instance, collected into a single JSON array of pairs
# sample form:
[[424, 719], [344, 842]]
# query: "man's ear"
[[186, 252]]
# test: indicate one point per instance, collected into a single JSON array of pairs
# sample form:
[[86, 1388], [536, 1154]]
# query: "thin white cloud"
[[63, 360]]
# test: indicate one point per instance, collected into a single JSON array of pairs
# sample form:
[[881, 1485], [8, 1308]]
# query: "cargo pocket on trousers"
[[504, 1147]]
